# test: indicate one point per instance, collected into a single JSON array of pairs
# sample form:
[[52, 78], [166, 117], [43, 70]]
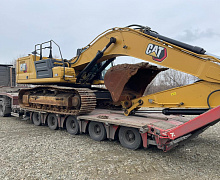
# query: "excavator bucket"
[[129, 81]]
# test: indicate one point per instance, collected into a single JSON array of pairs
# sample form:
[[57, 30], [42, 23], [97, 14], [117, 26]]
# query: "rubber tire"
[[125, 142], [69, 125], [36, 119], [102, 135], [52, 125], [2, 114], [4, 110]]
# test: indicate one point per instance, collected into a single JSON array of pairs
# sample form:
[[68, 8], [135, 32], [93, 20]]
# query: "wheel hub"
[[53, 121], [37, 118], [130, 137], [73, 124], [97, 129]]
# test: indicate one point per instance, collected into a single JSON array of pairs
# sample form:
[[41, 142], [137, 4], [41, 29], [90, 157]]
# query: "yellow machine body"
[[135, 43], [26, 72]]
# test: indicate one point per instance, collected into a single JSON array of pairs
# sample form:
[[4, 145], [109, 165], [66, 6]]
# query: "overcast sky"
[[74, 23]]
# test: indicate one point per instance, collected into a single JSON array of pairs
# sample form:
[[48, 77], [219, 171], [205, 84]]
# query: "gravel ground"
[[30, 152]]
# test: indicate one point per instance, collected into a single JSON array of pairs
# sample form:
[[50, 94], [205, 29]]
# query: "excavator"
[[68, 86], [88, 93]]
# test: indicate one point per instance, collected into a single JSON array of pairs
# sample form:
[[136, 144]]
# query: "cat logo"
[[158, 53]]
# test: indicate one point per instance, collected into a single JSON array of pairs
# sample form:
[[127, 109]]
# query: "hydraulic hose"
[[209, 97]]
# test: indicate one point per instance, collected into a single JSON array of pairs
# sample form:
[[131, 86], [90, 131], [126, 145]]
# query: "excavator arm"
[[127, 83], [138, 44]]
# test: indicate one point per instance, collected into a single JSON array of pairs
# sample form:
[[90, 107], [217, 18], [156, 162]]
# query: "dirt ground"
[[31, 152]]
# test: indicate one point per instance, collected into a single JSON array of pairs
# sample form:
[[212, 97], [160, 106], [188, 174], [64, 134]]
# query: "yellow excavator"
[[68, 84]]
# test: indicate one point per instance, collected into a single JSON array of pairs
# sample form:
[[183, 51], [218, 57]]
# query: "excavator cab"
[[44, 66], [36, 68]]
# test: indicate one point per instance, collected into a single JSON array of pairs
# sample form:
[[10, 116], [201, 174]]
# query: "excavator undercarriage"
[[63, 100]]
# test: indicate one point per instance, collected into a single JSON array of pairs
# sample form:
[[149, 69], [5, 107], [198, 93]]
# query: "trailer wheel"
[[36, 119], [130, 138], [72, 125], [52, 121], [1, 111], [5, 110], [97, 131]]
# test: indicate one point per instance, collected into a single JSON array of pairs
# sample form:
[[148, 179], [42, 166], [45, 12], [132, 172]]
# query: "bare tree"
[[169, 79]]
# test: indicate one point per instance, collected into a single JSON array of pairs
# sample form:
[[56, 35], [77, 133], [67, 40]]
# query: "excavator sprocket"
[[129, 81], [54, 99]]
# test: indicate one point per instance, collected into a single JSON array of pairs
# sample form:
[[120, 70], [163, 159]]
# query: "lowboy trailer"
[[166, 132], [141, 129]]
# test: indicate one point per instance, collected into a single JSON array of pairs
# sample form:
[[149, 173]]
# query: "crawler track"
[[53, 99]]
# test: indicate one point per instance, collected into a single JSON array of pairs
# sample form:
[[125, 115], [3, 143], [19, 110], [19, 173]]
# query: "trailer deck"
[[157, 129], [137, 121]]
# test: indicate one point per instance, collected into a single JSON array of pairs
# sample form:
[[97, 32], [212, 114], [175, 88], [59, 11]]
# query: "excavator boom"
[[142, 45], [126, 83]]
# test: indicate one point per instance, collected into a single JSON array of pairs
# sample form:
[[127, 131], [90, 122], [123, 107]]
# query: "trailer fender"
[[83, 124], [144, 139], [111, 131]]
